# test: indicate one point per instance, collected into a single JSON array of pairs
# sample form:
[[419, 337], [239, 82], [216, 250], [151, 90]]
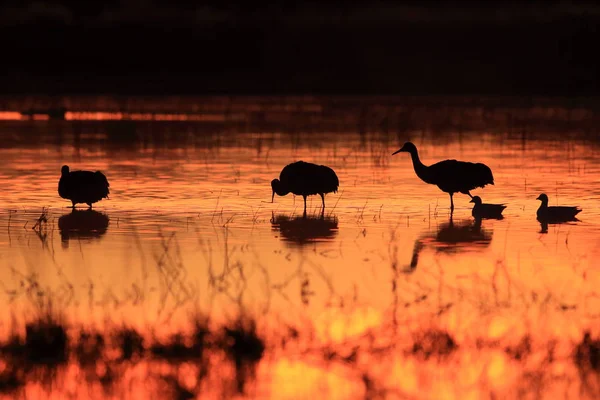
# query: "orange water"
[[189, 226]]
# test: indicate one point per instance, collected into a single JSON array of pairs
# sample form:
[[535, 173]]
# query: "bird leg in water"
[[451, 204], [323, 200], [273, 196], [73, 204], [304, 205]]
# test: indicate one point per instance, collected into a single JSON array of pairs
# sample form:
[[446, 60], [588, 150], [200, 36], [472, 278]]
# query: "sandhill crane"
[[450, 176], [305, 179], [82, 186]]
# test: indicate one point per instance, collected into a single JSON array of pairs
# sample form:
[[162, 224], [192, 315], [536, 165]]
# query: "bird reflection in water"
[[82, 224], [306, 229], [452, 237]]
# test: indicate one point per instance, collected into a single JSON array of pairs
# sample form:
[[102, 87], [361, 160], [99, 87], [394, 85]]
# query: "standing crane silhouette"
[[82, 186], [450, 176], [305, 179]]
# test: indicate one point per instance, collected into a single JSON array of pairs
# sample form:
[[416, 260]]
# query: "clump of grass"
[[173, 389], [175, 349], [11, 379], [36, 355], [90, 348], [130, 343], [433, 343], [244, 348], [242, 344], [45, 343], [180, 349], [521, 350], [587, 353]]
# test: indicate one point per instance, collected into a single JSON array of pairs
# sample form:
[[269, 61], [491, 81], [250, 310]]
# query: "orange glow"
[[338, 325], [298, 380], [10, 115], [389, 297]]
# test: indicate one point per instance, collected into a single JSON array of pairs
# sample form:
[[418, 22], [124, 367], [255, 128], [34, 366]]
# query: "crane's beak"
[[538, 198], [471, 201], [398, 151], [273, 196]]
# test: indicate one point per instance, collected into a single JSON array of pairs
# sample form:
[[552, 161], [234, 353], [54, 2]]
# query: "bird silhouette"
[[305, 179], [555, 213], [450, 176], [82, 186], [486, 210]]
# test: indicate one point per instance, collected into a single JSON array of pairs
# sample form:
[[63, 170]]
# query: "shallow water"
[[189, 228]]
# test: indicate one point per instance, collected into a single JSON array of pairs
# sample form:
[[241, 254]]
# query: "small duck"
[[484, 210], [555, 213]]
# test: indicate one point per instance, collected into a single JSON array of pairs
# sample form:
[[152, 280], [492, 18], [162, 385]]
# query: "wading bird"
[[82, 186], [486, 210], [305, 179], [450, 176], [555, 213]]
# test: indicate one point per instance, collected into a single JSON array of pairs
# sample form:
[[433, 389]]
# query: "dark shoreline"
[[269, 56]]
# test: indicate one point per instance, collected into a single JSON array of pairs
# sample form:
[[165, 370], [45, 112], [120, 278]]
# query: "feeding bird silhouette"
[[86, 187], [486, 210], [451, 176], [305, 179], [555, 213]]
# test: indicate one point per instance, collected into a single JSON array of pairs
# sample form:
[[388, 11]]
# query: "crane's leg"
[[323, 200], [451, 204], [304, 206], [89, 206], [73, 204]]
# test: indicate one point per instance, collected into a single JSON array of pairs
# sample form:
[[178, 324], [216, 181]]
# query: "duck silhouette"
[[555, 214], [486, 210]]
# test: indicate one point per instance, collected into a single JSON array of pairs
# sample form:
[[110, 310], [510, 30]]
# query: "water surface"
[[362, 293]]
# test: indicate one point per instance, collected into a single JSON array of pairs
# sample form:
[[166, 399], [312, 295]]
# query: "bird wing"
[[101, 179], [87, 181], [329, 179], [564, 209], [459, 176]]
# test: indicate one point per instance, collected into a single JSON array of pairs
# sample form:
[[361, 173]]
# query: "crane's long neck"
[[420, 168]]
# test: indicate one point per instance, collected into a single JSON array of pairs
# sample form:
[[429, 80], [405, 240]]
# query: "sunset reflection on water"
[[385, 295]]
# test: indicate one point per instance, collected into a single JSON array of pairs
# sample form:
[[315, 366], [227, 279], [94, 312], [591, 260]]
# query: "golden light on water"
[[384, 296]]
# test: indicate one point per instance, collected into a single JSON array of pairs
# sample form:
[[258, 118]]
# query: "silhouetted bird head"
[[64, 170], [408, 147], [476, 200], [543, 198], [278, 188]]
